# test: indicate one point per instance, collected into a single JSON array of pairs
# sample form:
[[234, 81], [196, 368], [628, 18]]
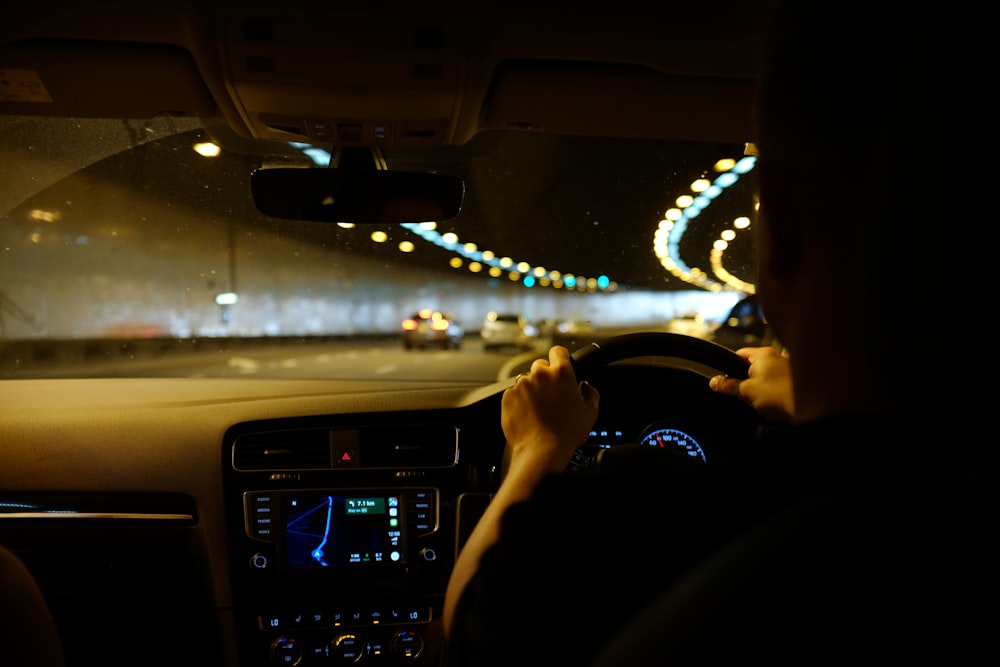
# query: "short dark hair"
[[881, 113]]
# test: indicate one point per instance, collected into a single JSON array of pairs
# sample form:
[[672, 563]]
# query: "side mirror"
[[359, 196]]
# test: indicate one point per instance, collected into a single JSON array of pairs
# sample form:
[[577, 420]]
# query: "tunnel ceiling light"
[[667, 236]]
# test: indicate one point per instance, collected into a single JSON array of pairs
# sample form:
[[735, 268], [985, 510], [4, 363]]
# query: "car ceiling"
[[406, 74], [440, 77]]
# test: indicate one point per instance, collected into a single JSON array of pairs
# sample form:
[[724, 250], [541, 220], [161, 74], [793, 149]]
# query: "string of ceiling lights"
[[666, 241]]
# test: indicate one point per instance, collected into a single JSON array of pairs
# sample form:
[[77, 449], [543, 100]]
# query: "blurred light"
[[488, 256], [666, 240], [450, 237], [745, 165], [43, 215], [470, 247], [455, 262], [496, 271], [429, 226], [406, 246], [226, 298], [603, 281], [523, 267], [529, 281], [741, 223], [346, 225], [728, 235], [506, 262], [379, 237], [207, 149], [475, 267]]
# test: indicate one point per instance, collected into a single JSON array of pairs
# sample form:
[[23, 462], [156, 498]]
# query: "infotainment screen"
[[322, 530]]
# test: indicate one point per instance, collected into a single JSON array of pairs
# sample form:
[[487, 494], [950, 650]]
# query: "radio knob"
[[259, 561], [428, 554], [347, 649], [407, 645], [286, 651]]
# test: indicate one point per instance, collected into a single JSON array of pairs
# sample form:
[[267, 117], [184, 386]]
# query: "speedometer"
[[672, 438]]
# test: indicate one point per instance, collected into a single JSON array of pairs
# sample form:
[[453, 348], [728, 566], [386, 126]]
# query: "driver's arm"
[[545, 417]]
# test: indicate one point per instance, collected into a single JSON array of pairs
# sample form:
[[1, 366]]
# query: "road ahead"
[[363, 359]]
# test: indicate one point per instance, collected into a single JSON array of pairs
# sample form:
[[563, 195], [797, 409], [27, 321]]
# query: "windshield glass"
[[133, 248]]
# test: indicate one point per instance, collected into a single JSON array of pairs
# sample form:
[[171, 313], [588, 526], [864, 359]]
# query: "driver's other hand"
[[768, 387], [546, 414]]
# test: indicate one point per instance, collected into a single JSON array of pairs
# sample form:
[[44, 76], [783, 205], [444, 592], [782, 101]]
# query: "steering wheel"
[[707, 355]]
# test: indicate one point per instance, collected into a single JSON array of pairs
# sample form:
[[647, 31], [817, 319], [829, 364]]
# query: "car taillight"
[[410, 325], [439, 325]]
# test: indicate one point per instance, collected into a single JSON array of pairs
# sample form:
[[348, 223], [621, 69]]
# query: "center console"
[[341, 539]]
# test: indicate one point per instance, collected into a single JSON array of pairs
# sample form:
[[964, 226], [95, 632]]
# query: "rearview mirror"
[[360, 196]]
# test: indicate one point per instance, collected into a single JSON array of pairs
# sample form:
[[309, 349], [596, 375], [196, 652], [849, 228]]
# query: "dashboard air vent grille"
[[283, 450], [402, 446], [409, 446]]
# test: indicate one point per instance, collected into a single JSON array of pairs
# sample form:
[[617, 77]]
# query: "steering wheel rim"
[[587, 360]]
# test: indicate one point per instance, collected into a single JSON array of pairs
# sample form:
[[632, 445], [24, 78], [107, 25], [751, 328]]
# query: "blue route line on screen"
[[317, 552]]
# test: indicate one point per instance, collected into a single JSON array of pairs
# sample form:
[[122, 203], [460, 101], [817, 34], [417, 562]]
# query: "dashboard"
[[283, 522]]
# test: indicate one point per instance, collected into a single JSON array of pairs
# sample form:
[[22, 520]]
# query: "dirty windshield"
[[133, 248]]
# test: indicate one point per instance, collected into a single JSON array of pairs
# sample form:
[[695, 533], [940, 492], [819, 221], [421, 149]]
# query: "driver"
[[864, 527]]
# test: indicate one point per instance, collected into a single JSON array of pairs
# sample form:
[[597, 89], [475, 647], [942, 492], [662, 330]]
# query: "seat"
[[28, 633]]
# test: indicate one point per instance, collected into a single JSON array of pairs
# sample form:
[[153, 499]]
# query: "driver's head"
[[869, 233]]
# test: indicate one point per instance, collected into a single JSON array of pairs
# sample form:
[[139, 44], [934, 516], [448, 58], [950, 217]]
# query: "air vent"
[[409, 446], [398, 447], [306, 449]]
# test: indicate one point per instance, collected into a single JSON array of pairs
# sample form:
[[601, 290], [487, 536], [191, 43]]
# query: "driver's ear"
[[780, 221], [779, 242]]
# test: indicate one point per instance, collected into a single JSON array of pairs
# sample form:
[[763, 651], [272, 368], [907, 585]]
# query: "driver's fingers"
[[558, 353], [725, 385], [589, 394]]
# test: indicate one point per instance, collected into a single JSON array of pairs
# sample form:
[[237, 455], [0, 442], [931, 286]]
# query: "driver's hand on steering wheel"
[[768, 387], [546, 414]]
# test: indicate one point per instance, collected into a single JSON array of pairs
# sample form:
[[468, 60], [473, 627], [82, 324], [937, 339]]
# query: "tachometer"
[[672, 438]]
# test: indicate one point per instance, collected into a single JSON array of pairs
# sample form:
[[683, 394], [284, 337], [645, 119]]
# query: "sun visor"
[[100, 80]]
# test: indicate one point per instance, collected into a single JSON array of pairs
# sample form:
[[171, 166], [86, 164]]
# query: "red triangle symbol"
[[346, 456]]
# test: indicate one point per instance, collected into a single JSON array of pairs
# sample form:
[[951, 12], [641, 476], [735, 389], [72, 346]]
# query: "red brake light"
[[410, 325]]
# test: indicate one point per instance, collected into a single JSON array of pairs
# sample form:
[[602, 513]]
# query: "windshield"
[[133, 248]]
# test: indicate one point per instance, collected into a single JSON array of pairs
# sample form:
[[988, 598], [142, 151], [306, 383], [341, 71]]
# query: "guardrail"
[[17, 357]]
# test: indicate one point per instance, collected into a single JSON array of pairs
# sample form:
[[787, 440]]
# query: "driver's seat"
[[827, 581]]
